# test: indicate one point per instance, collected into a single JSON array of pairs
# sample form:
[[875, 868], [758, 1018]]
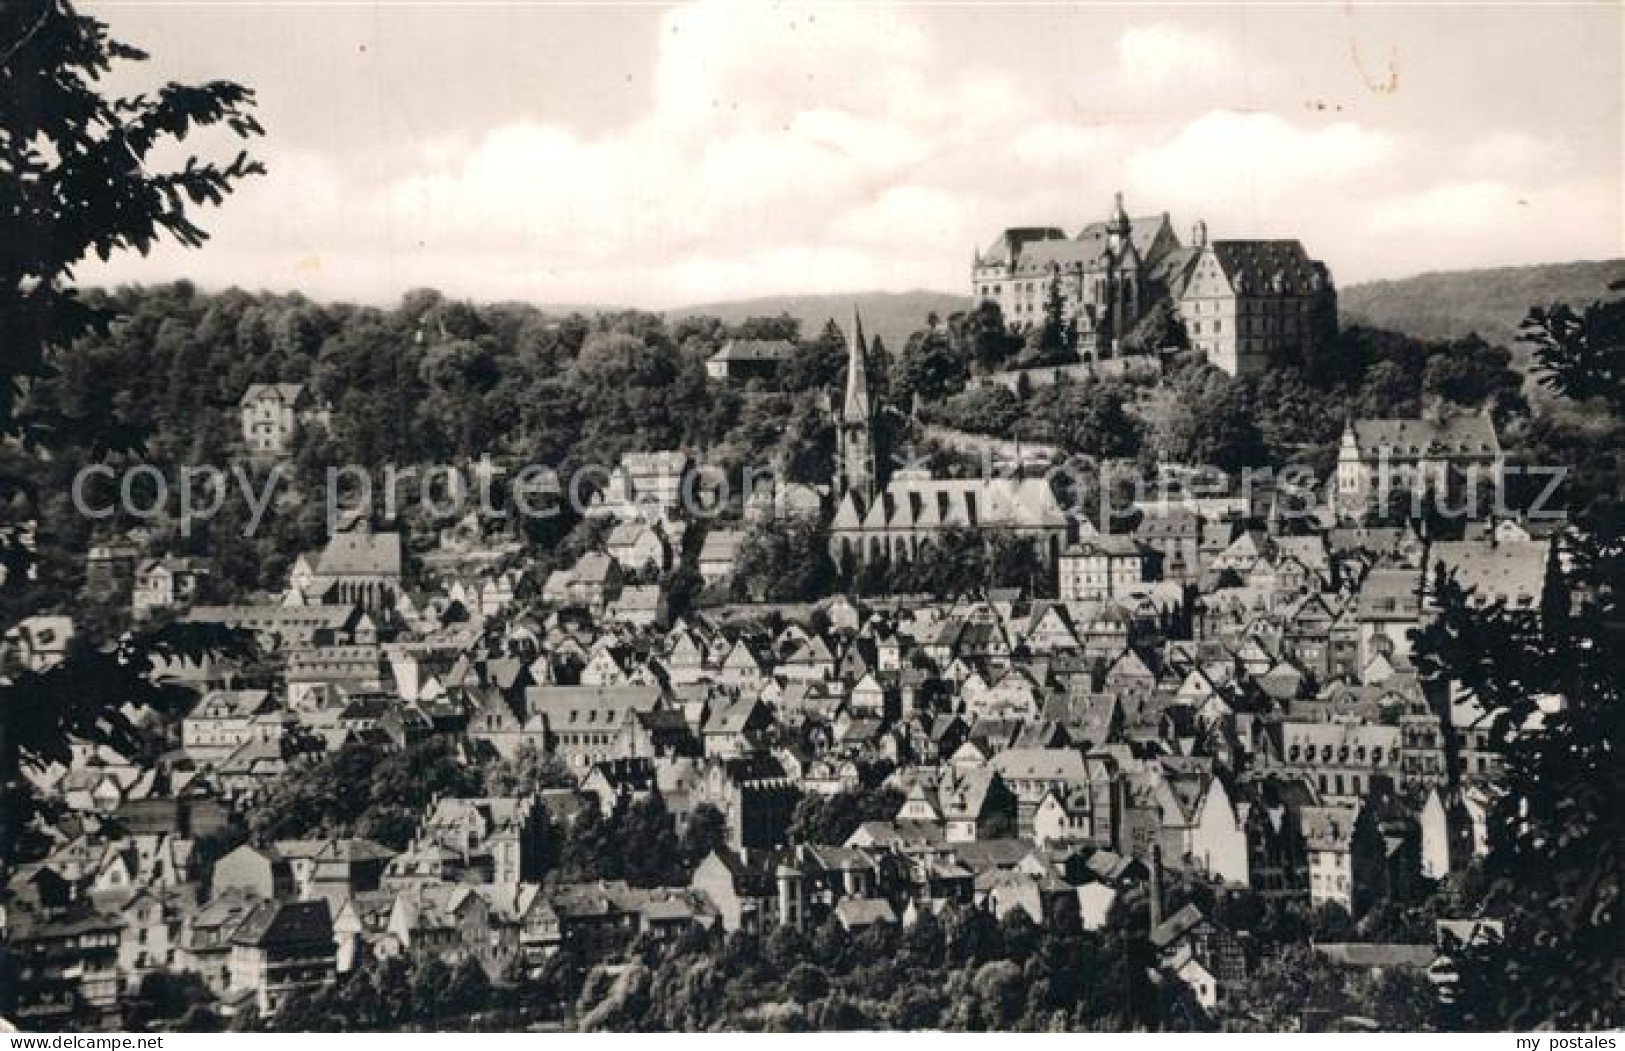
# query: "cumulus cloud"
[[1258, 155], [789, 147]]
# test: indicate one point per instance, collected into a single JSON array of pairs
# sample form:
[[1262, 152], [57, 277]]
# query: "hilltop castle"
[[1243, 303]]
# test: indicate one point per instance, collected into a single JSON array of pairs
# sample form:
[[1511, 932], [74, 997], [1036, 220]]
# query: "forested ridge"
[[439, 381]]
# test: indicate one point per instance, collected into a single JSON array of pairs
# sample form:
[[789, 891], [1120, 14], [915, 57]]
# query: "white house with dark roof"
[[1103, 565], [747, 359], [719, 555], [272, 413], [1394, 458], [164, 583], [281, 949]]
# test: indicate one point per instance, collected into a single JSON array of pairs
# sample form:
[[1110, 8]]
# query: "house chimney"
[[1156, 886]]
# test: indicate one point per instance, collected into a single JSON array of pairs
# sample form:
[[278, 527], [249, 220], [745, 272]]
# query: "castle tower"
[[1118, 228], [855, 422], [1123, 276]]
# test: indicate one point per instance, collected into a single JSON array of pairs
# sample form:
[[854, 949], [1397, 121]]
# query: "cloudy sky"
[[664, 155]]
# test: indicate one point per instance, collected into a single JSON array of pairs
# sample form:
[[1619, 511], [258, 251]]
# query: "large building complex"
[[1381, 462], [1244, 303]]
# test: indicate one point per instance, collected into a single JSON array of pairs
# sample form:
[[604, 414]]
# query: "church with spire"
[[858, 463], [900, 516]]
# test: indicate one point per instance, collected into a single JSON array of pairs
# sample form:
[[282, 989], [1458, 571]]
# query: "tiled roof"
[[1035, 249], [1048, 764], [1513, 572], [276, 923], [1267, 267], [755, 350], [288, 393], [1470, 435], [360, 553]]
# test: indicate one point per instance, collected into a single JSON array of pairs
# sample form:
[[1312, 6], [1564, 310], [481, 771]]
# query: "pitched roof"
[[864, 912], [1012, 242], [1176, 926], [1389, 594], [593, 568], [1463, 435], [1513, 572], [969, 502], [283, 392], [361, 553], [1378, 954], [758, 350], [722, 545], [1034, 250], [1255, 267], [1049, 764], [276, 923]]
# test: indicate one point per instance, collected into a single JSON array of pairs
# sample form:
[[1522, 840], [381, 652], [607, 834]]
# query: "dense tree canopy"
[[84, 173], [1557, 833]]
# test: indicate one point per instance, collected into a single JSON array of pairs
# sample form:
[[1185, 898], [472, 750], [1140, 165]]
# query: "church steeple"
[[855, 423], [857, 407]]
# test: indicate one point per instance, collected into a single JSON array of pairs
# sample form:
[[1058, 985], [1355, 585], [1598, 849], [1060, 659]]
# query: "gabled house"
[[281, 949], [166, 583], [1347, 857]]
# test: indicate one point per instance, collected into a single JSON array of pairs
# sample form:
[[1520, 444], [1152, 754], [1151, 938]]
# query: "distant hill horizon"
[[1493, 301], [1436, 304], [893, 316]]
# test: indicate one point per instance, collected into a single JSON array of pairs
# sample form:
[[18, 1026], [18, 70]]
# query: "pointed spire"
[[1120, 220], [856, 408]]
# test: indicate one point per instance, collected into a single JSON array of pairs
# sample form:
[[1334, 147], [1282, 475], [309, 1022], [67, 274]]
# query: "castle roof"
[[1279, 267], [1089, 250], [1010, 244]]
